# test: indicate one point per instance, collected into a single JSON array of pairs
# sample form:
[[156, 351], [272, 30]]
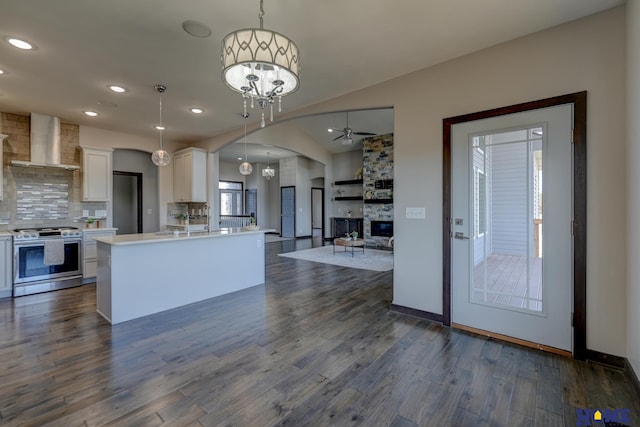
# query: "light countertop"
[[168, 236], [96, 230]]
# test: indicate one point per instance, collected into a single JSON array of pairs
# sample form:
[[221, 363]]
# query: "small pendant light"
[[160, 157]]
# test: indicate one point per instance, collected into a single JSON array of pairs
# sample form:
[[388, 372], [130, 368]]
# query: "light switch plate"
[[85, 212], [415, 213]]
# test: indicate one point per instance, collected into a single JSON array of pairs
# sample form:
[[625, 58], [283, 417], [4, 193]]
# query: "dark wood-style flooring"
[[315, 346]]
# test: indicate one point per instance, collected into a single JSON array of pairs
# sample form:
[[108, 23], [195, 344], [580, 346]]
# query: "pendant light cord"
[[161, 121], [261, 15], [245, 141]]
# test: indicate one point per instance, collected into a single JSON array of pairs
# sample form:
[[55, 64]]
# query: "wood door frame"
[[138, 175], [579, 101]]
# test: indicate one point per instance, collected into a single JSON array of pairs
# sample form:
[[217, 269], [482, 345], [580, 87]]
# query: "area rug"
[[371, 259]]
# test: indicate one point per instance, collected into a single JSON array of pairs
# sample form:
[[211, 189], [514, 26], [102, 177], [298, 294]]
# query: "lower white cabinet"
[[90, 252], [6, 262]]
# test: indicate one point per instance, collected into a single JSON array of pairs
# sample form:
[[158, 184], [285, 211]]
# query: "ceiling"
[[83, 46]]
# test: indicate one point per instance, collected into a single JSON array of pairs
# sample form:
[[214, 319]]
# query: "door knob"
[[460, 236]]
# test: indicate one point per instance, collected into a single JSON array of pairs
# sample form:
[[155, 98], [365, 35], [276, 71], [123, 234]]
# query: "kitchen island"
[[143, 274]]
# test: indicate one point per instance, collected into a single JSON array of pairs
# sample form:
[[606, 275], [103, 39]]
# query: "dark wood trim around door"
[[579, 101], [138, 175]]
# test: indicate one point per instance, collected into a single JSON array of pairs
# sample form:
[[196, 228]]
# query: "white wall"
[[633, 185], [229, 172], [587, 54]]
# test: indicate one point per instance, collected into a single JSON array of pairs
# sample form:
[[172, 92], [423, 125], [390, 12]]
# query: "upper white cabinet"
[[2, 137], [190, 175], [97, 174]]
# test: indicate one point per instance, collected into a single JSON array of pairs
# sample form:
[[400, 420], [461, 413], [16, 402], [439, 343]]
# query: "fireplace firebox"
[[382, 228]]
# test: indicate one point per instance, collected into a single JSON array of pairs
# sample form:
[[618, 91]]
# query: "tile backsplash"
[[42, 201], [41, 197]]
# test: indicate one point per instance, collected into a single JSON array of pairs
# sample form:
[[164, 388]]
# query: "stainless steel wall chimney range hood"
[[46, 147]]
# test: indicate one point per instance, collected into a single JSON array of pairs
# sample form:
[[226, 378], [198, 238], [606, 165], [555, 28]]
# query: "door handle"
[[460, 236]]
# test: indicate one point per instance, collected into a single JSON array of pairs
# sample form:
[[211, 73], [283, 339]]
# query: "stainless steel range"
[[46, 259]]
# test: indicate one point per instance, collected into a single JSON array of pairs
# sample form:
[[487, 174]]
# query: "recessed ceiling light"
[[329, 130], [90, 113], [240, 158], [160, 127], [1, 71], [197, 110], [20, 44], [117, 89]]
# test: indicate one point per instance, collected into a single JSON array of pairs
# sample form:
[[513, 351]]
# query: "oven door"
[[29, 263]]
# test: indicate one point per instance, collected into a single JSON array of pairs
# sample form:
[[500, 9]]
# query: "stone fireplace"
[[377, 164]]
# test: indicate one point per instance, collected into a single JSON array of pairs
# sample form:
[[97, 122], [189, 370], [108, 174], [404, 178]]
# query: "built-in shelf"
[[380, 201], [348, 198], [348, 182]]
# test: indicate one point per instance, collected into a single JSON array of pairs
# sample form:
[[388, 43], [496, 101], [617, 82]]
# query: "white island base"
[[142, 274]]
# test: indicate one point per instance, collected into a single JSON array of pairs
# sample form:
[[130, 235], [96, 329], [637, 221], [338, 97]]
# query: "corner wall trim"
[[427, 315], [635, 382]]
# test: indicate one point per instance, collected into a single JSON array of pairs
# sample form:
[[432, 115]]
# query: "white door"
[[511, 248]]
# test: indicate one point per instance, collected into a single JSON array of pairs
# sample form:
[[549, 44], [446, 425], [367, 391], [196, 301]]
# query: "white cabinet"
[[190, 175], [6, 261], [90, 252], [2, 137], [97, 174]]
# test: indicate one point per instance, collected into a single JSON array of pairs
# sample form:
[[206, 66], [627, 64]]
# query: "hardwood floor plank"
[[473, 398], [498, 402], [402, 422], [316, 345], [549, 419], [336, 411], [523, 401]]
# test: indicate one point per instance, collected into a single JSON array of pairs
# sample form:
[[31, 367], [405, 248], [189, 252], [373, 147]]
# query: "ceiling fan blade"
[[338, 137], [364, 133]]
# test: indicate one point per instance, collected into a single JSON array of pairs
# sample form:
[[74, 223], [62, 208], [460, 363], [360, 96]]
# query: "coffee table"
[[348, 243]]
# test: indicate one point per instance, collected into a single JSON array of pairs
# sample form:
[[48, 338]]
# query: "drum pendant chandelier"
[[260, 64]]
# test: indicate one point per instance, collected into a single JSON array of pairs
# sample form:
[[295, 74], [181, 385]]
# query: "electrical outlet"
[[415, 213], [149, 212], [85, 212]]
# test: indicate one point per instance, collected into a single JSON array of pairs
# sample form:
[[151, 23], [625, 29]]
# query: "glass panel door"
[[507, 219]]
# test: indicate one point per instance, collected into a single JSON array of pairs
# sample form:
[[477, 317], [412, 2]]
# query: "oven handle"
[[40, 242]]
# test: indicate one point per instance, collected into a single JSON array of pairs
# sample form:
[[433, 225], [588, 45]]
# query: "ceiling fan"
[[347, 133]]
